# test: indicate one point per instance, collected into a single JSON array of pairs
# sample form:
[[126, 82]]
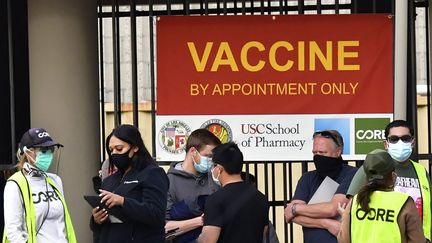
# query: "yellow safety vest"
[[380, 225], [425, 194], [26, 194]]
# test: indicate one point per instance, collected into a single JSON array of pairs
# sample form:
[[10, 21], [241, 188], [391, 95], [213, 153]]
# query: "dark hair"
[[363, 196], [398, 123], [249, 178], [131, 135], [229, 156], [200, 138], [110, 165]]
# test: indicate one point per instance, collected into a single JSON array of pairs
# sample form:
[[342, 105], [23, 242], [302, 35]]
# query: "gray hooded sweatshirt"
[[188, 189]]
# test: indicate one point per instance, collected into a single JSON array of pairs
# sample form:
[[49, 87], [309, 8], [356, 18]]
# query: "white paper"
[[325, 191]]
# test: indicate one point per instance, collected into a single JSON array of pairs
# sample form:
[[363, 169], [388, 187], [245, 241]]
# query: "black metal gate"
[[112, 13], [14, 71]]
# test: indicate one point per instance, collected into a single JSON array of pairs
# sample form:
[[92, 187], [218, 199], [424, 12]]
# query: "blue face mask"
[[44, 160], [400, 151], [204, 165]]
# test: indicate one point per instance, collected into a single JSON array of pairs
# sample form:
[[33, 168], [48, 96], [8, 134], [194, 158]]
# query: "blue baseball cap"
[[37, 137]]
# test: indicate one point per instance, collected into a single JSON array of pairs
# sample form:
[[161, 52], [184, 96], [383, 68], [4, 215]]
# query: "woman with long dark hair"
[[134, 198], [377, 213]]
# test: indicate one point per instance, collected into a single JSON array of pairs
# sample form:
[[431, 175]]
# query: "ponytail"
[[363, 197]]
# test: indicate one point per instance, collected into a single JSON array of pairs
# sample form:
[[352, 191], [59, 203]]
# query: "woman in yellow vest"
[[34, 207], [377, 213]]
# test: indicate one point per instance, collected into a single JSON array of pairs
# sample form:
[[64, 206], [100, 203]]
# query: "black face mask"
[[121, 161], [327, 166]]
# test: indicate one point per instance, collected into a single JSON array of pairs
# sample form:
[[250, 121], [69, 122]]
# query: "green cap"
[[378, 164]]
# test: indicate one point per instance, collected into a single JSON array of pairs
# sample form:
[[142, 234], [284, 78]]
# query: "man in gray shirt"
[[189, 187]]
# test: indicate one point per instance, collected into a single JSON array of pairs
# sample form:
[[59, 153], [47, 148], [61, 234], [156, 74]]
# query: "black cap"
[[37, 137]]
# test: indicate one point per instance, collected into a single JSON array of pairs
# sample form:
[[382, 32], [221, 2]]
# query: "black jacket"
[[143, 211]]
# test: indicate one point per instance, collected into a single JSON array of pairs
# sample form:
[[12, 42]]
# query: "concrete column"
[[428, 12], [64, 93], [400, 63]]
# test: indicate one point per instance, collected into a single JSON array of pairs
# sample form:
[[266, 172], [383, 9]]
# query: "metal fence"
[[278, 190]]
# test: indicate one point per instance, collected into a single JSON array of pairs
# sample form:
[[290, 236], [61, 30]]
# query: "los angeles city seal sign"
[[173, 136]]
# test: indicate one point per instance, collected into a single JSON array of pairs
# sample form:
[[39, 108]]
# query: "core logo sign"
[[369, 134], [173, 136], [219, 128]]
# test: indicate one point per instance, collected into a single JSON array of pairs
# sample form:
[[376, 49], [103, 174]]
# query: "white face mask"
[[215, 179], [400, 151]]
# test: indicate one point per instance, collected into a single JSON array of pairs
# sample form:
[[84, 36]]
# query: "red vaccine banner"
[[252, 65]]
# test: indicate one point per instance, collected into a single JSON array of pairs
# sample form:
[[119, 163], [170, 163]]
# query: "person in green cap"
[[377, 213], [412, 178]]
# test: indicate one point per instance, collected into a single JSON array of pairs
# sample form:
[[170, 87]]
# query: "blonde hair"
[[21, 156]]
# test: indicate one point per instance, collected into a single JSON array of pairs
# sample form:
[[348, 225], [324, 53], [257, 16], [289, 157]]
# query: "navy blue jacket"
[[143, 211]]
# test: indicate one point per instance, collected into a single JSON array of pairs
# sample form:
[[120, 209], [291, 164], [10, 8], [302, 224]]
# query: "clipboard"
[[325, 191], [94, 201]]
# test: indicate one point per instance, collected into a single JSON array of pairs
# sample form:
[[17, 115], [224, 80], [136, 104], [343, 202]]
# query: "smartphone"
[[171, 234]]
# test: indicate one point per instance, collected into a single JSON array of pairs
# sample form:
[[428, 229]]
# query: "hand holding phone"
[[171, 234]]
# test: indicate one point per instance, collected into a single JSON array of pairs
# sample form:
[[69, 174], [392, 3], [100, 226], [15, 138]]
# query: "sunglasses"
[[327, 134], [404, 138]]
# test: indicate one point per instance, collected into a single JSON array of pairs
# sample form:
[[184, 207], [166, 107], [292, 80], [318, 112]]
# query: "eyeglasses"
[[327, 134], [404, 138]]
